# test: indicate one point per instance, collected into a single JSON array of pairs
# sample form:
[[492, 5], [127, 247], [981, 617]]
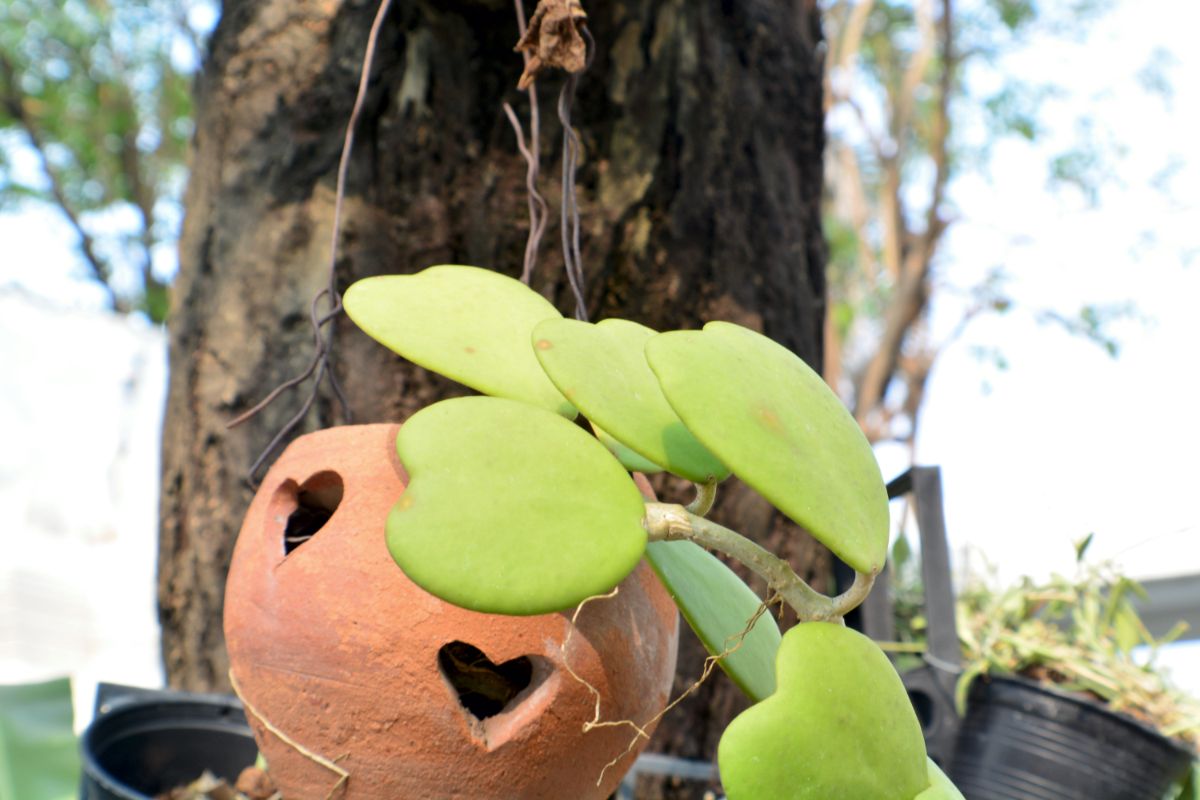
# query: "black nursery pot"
[[1021, 741], [143, 743]]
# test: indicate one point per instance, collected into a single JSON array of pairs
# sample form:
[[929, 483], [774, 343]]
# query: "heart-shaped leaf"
[[940, 787], [839, 725], [511, 509], [776, 424], [602, 369], [469, 324], [718, 605]]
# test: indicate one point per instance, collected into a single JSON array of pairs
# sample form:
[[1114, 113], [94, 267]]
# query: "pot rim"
[[1082, 701], [229, 716]]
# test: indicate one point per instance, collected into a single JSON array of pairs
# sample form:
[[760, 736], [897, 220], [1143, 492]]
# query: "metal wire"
[[539, 211], [569, 216], [321, 365]]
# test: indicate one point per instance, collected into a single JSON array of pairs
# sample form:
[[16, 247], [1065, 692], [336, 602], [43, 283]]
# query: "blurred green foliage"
[[39, 756], [906, 587], [95, 120], [920, 92]]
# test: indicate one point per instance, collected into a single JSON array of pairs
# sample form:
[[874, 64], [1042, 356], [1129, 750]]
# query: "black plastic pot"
[[142, 743], [1021, 741]]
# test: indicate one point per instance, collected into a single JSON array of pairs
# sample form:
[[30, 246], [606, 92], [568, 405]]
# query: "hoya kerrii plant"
[[514, 508]]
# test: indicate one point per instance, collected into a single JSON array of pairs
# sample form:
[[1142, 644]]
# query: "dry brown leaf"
[[256, 784], [553, 39]]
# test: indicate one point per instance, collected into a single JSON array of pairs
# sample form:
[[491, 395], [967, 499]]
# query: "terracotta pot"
[[338, 655]]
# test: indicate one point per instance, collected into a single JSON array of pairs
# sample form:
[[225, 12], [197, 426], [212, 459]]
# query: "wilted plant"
[[1081, 634]]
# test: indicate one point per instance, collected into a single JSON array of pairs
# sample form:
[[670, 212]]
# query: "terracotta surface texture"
[[335, 652]]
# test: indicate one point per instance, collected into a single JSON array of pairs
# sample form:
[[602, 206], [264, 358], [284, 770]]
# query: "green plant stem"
[[706, 495], [667, 522]]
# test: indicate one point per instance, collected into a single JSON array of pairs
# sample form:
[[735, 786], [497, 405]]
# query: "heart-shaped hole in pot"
[[315, 501], [484, 688]]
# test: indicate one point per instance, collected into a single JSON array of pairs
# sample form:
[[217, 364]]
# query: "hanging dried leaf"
[[553, 39]]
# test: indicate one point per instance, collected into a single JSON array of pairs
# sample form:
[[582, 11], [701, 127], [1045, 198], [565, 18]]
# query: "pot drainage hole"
[[484, 688]]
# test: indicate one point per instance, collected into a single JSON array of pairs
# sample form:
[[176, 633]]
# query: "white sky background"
[[80, 415], [1068, 441], [1064, 442]]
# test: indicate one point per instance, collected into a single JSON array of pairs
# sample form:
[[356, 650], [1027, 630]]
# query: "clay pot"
[[337, 655]]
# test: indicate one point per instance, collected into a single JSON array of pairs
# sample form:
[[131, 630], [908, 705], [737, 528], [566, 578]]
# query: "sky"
[[1063, 442], [1067, 441], [80, 415]]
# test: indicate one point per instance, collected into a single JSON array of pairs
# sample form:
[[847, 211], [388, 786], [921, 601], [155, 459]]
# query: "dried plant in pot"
[[504, 512], [1062, 695]]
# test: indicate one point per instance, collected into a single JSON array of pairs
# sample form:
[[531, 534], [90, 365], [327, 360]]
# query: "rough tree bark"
[[700, 184]]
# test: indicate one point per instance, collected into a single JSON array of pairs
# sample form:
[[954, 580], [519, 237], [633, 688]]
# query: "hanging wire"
[[539, 211], [322, 331], [320, 365], [569, 216]]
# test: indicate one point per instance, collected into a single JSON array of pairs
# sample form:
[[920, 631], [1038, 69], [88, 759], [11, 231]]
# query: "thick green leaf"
[[840, 725], [940, 787], [511, 509], [629, 459], [467, 323], [39, 757], [775, 423], [602, 369], [718, 605]]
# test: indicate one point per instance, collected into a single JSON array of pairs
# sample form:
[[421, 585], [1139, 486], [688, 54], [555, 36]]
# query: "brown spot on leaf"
[[544, 344], [469, 350], [770, 419]]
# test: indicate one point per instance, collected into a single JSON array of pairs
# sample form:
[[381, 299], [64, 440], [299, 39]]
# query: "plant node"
[[670, 522]]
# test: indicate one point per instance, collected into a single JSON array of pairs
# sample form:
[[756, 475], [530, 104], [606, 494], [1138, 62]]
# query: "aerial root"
[[328, 764], [732, 644]]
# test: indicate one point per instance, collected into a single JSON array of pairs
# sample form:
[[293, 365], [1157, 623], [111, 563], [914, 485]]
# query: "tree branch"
[[910, 295], [851, 42], [909, 298], [15, 106], [844, 56], [831, 365], [855, 194], [892, 216], [939, 146], [914, 74]]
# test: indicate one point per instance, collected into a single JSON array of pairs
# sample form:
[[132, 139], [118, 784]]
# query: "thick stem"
[[706, 495], [668, 522]]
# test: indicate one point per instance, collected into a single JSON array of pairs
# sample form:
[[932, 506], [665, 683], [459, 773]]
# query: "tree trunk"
[[700, 185]]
